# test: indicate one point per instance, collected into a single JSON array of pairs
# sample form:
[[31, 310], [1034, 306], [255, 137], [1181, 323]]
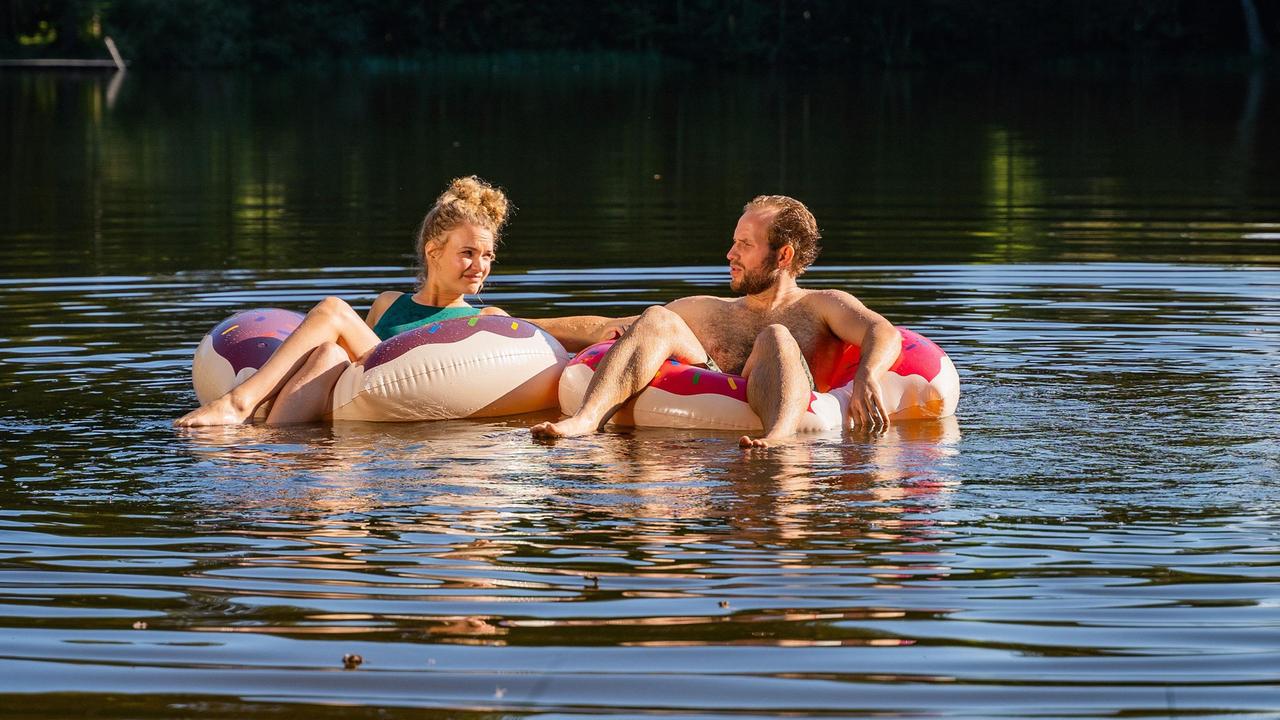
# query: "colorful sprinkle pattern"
[[448, 331], [248, 338]]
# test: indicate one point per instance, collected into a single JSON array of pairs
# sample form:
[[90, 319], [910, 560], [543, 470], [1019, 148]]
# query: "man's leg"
[[330, 321], [627, 368], [778, 385], [307, 396]]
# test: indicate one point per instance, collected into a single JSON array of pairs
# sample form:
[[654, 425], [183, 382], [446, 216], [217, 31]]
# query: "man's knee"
[[774, 346], [776, 336], [657, 319]]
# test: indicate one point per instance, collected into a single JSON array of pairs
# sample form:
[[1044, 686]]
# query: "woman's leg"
[[307, 396], [330, 321]]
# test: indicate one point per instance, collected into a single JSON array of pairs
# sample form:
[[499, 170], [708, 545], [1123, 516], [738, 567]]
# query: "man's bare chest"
[[729, 335]]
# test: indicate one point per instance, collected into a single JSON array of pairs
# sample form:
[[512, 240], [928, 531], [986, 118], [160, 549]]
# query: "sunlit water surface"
[[1094, 534]]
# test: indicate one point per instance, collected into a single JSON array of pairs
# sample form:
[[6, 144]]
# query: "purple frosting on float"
[[448, 331], [248, 338]]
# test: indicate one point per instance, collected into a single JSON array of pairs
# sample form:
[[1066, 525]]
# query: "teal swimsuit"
[[406, 314]]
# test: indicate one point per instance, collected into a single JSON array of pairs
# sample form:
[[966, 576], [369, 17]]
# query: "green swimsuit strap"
[[406, 314]]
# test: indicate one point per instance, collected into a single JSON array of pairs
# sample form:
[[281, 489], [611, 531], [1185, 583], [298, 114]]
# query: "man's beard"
[[753, 282]]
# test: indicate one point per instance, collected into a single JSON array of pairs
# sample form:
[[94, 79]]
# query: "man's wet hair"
[[793, 225]]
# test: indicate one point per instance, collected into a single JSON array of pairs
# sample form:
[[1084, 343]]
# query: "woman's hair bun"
[[478, 197]]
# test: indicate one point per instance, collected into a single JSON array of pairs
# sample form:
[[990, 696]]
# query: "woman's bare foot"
[[569, 427], [223, 411]]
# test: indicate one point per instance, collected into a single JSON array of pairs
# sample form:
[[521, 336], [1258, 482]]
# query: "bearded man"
[[777, 335]]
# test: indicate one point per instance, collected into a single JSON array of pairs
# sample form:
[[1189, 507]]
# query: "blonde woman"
[[455, 246]]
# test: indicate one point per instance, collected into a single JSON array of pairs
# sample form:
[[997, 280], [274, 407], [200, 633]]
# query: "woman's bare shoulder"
[[380, 305]]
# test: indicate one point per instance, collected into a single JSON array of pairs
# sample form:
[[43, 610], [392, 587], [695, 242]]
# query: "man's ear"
[[786, 254]]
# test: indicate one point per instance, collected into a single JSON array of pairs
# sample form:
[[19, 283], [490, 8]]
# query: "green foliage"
[[805, 32], [182, 33], [61, 26]]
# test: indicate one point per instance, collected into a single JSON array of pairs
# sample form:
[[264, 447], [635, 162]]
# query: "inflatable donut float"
[[923, 383], [236, 347], [481, 366]]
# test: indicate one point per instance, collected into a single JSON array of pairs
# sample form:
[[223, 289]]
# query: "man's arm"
[[880, 343], [579, 331]]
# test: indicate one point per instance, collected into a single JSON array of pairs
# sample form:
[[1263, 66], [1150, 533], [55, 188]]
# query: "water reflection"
[[1095, 534], [348, 468], [897, 167], [651, 530]]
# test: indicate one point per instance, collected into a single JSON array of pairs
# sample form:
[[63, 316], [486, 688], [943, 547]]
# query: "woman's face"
[[462, 260]]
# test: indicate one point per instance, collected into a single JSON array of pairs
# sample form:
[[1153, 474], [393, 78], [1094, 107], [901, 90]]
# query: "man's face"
[[753, 267]]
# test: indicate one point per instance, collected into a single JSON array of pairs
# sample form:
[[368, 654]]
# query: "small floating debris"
[[140, 625]]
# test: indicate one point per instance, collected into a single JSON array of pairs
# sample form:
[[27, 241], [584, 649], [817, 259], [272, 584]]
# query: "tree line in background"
[[274, 33]]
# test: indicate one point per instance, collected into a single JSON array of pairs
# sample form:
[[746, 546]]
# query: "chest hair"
[[729, 335]]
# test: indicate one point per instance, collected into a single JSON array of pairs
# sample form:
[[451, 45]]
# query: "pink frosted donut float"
[[481, 366], [923, 383], [236, 347]]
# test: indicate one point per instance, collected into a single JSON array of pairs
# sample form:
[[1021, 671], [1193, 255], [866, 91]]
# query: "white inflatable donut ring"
[[923, 383], [236, 347], [481, 366]]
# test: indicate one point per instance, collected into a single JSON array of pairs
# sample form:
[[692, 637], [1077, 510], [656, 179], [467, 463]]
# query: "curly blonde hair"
[[468, 200], [793, 225]]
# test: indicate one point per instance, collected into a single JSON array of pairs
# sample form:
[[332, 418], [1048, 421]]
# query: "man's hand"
[[615, 329], [866, 406]]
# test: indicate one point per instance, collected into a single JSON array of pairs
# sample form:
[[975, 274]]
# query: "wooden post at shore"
[[115, 54], [115, 63]]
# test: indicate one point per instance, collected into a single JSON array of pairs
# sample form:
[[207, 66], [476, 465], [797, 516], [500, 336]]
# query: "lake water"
[[1095, 534]]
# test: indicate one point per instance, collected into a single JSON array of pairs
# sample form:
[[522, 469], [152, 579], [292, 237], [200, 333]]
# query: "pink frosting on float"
[[247, 339], [447, 331], [677, 378], [920, 356]]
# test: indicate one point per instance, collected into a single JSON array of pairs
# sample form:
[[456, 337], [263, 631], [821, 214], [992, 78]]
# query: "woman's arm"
[[579, 331]]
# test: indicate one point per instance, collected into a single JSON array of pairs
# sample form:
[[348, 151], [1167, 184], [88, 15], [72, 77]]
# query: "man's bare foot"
[[222, 411], [569, 427], [746, 442]]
